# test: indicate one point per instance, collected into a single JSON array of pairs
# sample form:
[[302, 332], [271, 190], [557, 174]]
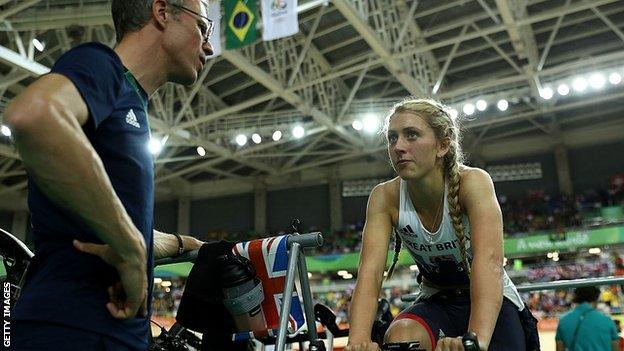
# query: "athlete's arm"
[[46, 120], [375, 240], [166, 245], [486, 226]]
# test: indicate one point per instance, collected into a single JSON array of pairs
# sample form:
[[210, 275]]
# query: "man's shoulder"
[[568, 316], [93, 47], [94, 54]]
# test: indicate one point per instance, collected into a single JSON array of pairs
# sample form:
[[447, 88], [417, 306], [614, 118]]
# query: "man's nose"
[[207, 48]]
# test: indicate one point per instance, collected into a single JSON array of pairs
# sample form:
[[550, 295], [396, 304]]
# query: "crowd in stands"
[[540, 211], [537, 212]]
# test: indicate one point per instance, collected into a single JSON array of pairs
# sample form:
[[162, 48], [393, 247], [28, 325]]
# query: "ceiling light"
[[241, 139], [563, 89], [413, 268], [5, 131], [579, 84], [277, 135], [38, 44], [371, 123], [347, 276], [546, 93], [342, 272], [469, 109], [155, 146], [597, 81], [298, 132], [502, 104], [595, 251], [256, 138], [453, 113], [481, 105], [357, 125], [201, 151], [615, 78]]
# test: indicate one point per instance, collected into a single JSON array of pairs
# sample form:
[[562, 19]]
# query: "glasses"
[[206, 30]]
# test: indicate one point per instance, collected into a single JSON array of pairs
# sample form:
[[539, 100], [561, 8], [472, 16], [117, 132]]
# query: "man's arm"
[[560, 345], [46, 120], [166, 245]]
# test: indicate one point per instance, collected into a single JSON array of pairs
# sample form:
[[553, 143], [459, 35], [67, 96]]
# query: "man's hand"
[[128, 296], [365, 346], [190, 243], [166, 245]]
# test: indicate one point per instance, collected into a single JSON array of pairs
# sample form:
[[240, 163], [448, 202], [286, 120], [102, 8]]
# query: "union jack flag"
[[269, 256]]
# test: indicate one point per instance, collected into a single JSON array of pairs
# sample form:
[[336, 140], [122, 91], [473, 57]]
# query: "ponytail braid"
[[451, 163], [397, 251]]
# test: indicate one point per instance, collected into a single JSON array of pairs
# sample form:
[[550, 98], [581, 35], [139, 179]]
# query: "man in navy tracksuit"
[[82, 132]]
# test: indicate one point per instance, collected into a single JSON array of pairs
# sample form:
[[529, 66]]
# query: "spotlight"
[[502, 104], [469, 109], [277, 135], [201, 151], [597, 81], [298, 132], [453, 113], [155, 146], [481, 105], [241, 139], [563, 89], [615, 78], [371, 123], [5, 131], [357, 125], [579, 84], [595, 251], [546, 93], [256, 138], [39, 45]]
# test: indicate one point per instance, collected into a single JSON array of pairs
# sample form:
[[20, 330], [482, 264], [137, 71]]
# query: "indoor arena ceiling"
[[351, 60]]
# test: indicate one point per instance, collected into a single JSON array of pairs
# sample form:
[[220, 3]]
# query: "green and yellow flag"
[[240, 23]]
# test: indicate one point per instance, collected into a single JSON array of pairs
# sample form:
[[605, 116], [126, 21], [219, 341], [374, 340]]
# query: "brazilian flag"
[[240, 23]]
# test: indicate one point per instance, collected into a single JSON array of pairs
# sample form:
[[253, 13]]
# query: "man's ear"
[[443, 147], [160, 14]]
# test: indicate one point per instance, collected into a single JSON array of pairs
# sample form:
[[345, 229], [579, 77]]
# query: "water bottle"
[[242, 292]]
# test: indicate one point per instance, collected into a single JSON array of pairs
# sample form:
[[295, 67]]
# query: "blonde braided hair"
[[445, 127]]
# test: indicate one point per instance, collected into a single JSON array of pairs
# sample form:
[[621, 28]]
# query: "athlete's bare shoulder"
[[472, 175], [385, 197]]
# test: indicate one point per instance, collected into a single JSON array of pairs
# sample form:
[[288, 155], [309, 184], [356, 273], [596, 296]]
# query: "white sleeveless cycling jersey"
[[437, 255]]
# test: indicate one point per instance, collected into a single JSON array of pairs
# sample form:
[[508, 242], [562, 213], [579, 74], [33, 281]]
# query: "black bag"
[[201, 308], [529, 324]]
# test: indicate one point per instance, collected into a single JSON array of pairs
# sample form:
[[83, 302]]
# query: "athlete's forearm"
[[486, 294], [363, 309]]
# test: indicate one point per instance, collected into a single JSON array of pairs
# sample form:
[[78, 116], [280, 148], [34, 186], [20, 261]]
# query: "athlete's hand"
[[364, 346], [450, 344], [128, 296]]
